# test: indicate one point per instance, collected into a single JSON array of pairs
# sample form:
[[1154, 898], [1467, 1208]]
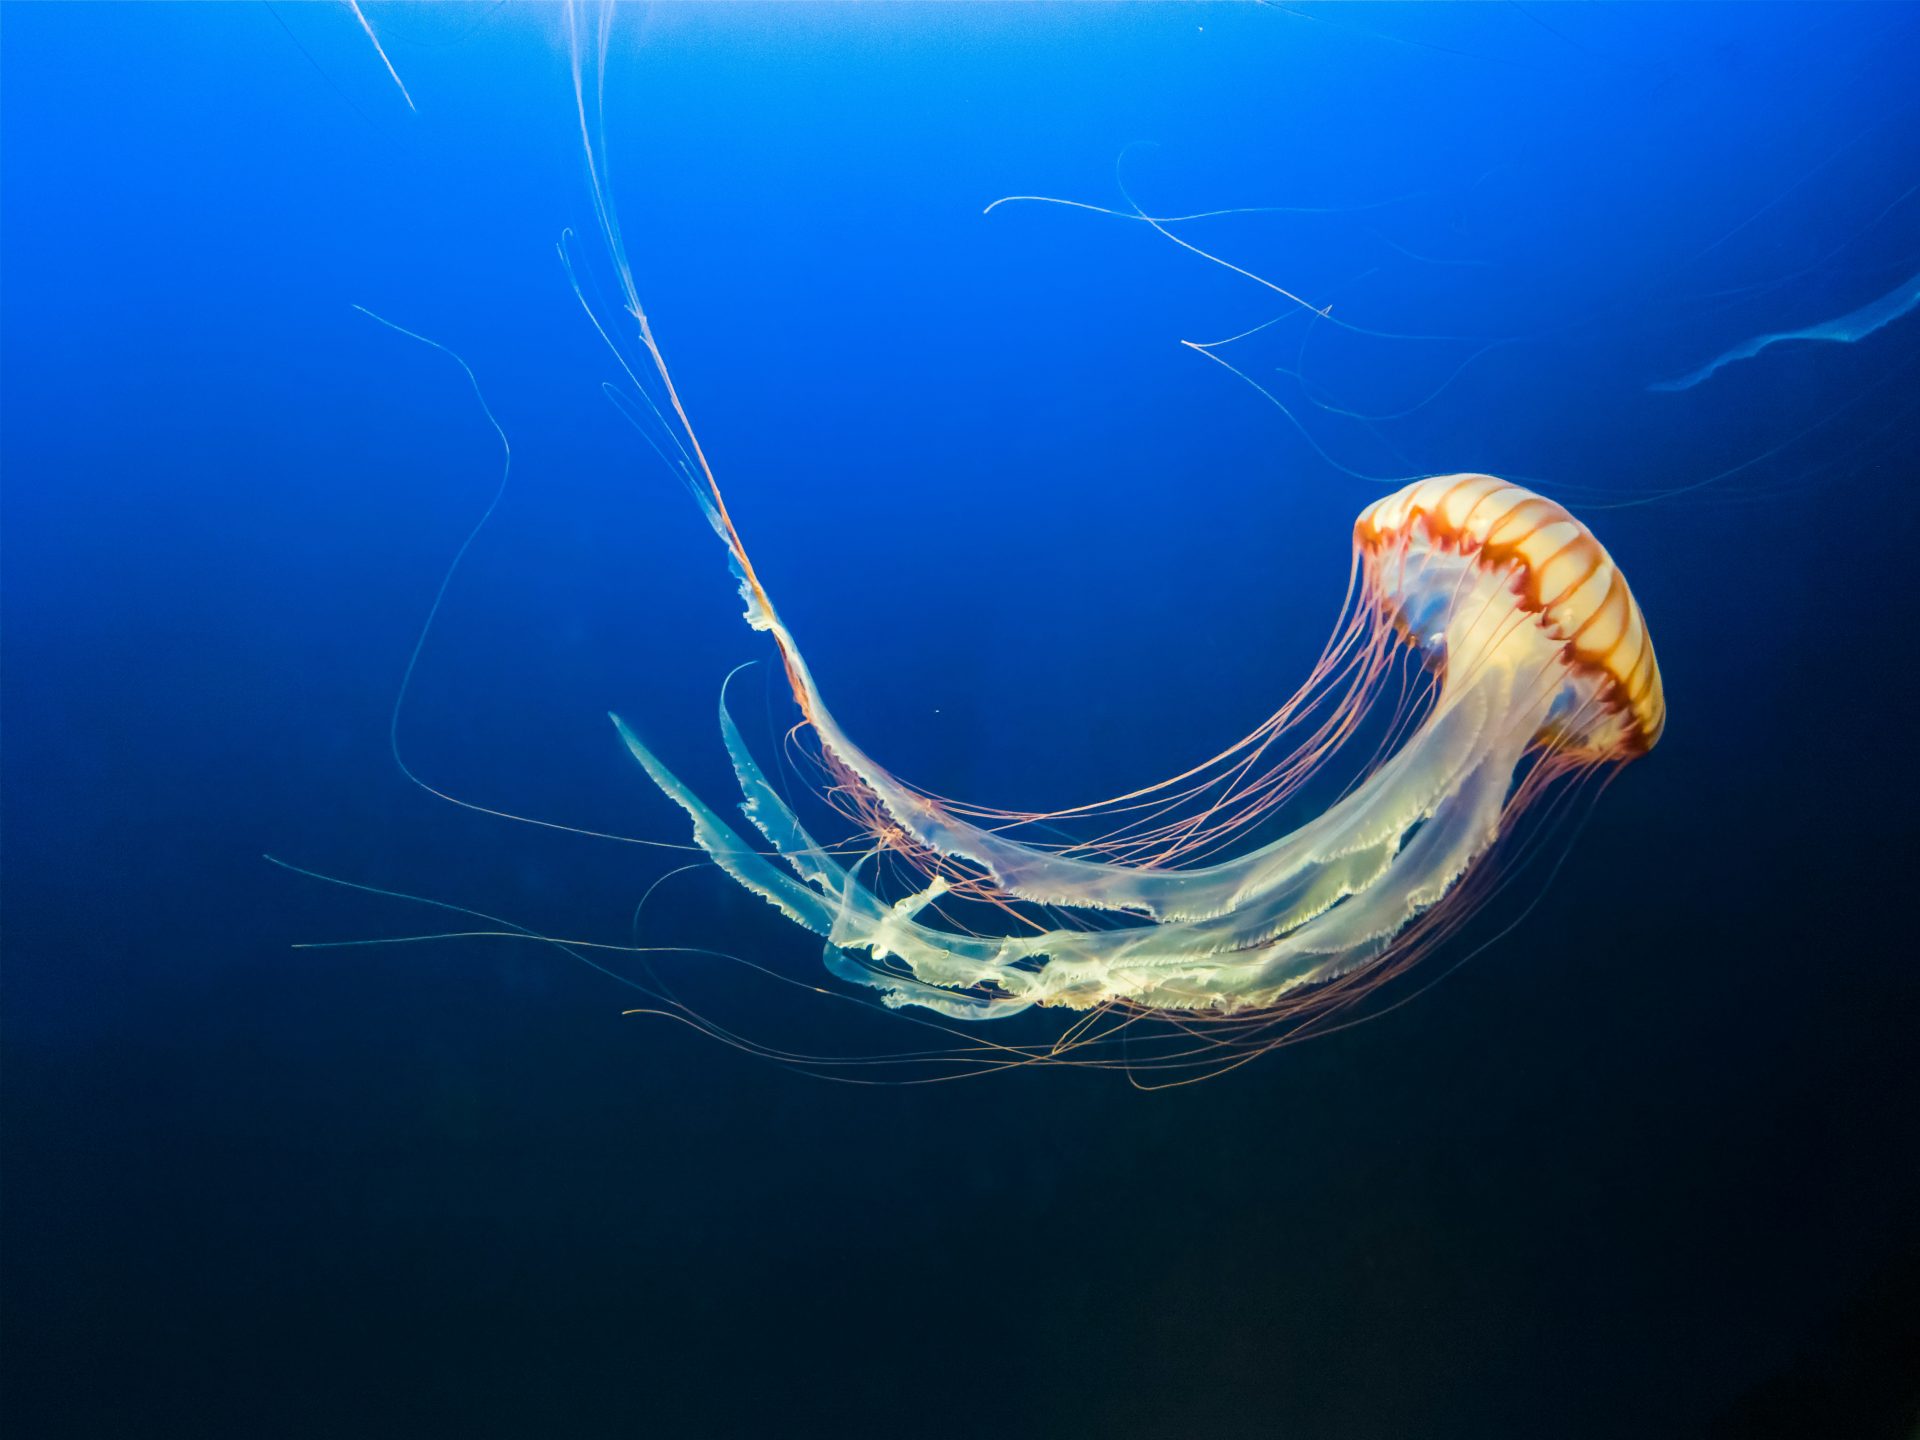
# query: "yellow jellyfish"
[[1514, 653], [1488, 648]]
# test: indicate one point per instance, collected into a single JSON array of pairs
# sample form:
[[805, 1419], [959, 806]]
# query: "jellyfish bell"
[[1461, 558], [1537, 662]]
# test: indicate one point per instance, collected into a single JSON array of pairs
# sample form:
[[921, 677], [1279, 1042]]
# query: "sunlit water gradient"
[[1644, 1166]]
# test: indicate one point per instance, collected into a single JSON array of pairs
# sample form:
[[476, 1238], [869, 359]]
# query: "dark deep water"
[[1646, 1166]]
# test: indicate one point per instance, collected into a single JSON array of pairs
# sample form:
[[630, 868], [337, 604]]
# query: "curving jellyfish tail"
[[1538, 664], [1854, 325]]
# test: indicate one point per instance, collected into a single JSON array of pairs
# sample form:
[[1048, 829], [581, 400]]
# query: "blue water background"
[[1645, 1166]]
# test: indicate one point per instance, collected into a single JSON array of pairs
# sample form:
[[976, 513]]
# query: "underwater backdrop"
[[1642, 1161]]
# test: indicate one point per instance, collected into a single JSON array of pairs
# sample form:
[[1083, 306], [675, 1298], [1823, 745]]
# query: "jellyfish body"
[[1536, 662]]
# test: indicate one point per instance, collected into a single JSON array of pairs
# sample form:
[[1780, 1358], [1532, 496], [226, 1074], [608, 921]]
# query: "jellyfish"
[[1530, 660], [1488, 653], [1487, 649]]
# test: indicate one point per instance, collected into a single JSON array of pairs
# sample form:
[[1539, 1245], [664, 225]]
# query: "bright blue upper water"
[[1645, 1166]]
